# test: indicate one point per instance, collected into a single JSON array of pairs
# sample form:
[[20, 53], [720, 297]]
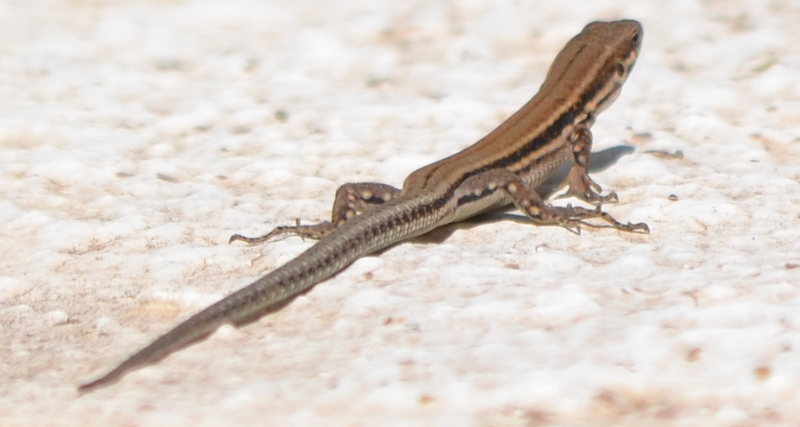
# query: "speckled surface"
[[137, 136]]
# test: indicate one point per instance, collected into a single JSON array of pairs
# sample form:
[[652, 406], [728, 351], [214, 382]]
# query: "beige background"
[[137, 136]]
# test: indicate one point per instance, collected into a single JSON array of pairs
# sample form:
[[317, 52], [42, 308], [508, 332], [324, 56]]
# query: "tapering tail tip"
[[103, 381]]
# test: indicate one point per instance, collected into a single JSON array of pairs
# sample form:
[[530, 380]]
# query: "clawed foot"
[[572, 217], [316, 231]]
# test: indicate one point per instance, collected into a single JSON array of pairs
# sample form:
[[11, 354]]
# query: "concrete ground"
[[137, 136]]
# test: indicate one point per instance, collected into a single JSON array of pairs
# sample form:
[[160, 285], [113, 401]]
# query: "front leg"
[[351, 200], [580, 184], [530, 202]]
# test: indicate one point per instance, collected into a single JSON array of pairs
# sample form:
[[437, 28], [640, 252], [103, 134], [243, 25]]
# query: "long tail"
[[359, 236]]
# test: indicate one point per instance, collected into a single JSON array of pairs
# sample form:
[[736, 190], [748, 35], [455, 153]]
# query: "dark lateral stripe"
[[552, 132]]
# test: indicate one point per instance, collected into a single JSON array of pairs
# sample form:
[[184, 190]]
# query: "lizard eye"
[[620, 70]]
